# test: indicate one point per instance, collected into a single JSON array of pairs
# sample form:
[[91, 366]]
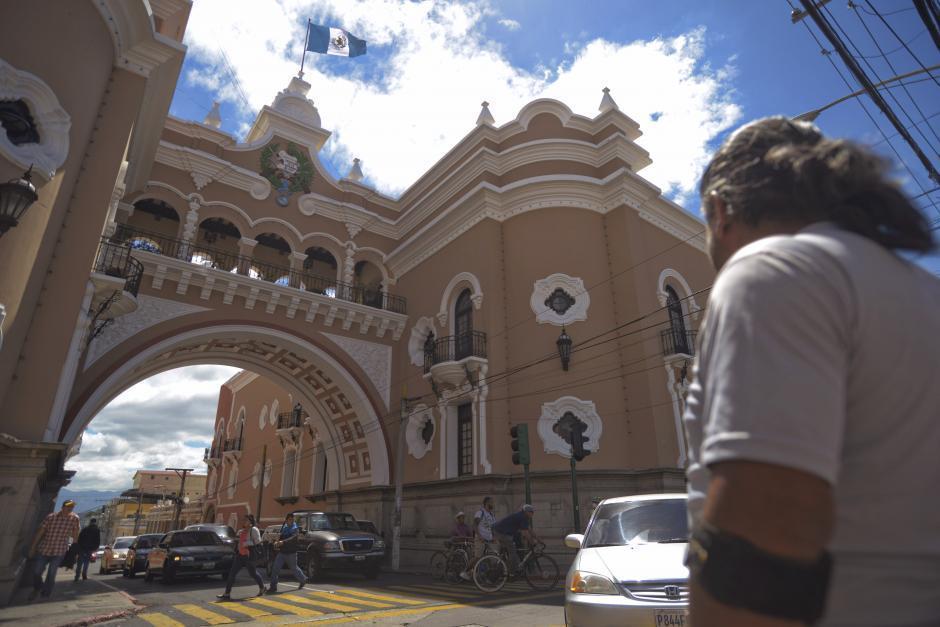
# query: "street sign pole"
[[574, 496], [528, 487]]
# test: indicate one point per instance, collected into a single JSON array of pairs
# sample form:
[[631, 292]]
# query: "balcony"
[[232, 448], [116, 276], [289, 425], [678, 342], [209, 257], [212, 456], [455, 359]]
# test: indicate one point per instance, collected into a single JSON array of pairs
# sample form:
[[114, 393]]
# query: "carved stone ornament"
[[553, 412], [374, 359], [288, 170], [559, 299], [416, 430], [419, 334], [51, 121]]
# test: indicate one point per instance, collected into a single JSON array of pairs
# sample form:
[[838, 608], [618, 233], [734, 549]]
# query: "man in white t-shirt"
[[814, 416]]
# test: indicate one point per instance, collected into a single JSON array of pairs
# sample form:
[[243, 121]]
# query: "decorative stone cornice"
[[212, 168], [137, 48]]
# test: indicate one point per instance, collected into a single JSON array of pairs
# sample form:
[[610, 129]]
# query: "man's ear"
[[716, 212]]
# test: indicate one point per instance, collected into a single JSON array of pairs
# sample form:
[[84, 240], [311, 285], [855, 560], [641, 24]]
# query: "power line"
[[898, 37]]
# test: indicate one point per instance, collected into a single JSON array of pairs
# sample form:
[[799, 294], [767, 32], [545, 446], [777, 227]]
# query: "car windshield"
[[147, 542], [638, 522], [222, 530], [194, 538], [123, 543], [332, 522]]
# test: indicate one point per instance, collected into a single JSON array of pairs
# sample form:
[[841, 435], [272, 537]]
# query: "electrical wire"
[[898, 37]]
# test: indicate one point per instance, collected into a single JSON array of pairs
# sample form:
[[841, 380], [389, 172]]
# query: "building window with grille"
[[680, 339], [465, 439], [287, 481], [463, 326]]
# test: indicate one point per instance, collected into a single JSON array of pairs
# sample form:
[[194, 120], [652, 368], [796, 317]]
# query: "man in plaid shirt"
[[49, 546]]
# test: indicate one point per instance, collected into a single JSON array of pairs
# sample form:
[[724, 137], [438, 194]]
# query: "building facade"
[[157, 242]]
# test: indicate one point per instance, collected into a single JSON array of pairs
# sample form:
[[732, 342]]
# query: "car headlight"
[[177, 558], [583, 582], [379, 544], [331, 546]]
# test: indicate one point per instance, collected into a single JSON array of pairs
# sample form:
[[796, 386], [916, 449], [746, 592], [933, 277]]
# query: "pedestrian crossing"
[[313, 602]]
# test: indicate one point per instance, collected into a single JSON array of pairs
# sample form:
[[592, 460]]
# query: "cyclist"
[[507, 528], [461, 532]]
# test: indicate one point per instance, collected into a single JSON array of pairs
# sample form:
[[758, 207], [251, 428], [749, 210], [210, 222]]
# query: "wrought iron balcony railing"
[[232, 444], [454, 348], [290, 420], [197, 253], [114, 259], [676, 342]]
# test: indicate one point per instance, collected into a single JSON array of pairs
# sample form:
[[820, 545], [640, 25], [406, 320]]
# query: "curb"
[[102, 618]]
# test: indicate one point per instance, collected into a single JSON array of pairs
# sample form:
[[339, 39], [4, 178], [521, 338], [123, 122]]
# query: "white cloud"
[[510, 24], [404, 106], [149, 426]]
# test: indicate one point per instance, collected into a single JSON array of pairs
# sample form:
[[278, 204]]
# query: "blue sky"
[[688, 72]]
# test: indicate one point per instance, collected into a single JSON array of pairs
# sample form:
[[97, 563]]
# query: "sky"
[[687, 72]]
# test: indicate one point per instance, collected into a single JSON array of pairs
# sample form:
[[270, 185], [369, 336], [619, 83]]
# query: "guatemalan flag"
[[329, 40]]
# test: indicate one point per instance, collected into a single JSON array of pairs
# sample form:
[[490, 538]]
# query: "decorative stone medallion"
[[559, 299], [420, 430], [555, 423], [288, 170]]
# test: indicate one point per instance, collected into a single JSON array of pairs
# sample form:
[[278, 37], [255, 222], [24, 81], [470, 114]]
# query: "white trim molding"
[[664, 277], [419, 334], [418, 417], [52, 123], [584, 410], [573, 286], [449, 296]]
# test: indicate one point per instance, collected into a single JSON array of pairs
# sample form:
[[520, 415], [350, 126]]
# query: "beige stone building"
[[157, 242]]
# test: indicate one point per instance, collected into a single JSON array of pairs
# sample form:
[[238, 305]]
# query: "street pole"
[[399, 481], [574, 496], [525, 480], [181, 472], [264, 462]]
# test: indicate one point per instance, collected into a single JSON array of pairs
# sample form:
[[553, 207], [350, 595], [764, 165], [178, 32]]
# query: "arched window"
[[678, 335], [290, 464], [319, 470], [463, 326]]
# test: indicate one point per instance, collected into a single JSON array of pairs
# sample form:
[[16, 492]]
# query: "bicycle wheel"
[[541, 572], [490, 573], [438, 564], [456, 564]]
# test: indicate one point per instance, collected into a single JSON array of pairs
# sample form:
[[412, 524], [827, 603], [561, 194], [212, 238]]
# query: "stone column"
[[297, 268], [349, 274], [246, 248], [189, 228], [117, 194]]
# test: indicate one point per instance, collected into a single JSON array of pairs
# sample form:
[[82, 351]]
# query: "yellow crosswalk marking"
[[160, 620], [441, 592], [211, 618], [346, 599], [240, 608], [285, 607], [382, 597], [327, 604]]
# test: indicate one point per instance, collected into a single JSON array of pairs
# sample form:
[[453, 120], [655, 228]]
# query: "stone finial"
[[293, 102], [355, 172], [607, 102], [485, 116], [214, 117]]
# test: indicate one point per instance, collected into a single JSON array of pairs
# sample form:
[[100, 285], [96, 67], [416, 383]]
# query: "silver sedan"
[[629, 571]]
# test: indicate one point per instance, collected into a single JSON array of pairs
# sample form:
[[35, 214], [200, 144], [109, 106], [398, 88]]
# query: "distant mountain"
[[86, 499]]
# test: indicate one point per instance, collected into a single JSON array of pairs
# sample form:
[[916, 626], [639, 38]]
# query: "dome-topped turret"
[[293, 102]]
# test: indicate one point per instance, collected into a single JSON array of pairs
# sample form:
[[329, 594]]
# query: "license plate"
[[360, 558], [672, 618], [208, 565]]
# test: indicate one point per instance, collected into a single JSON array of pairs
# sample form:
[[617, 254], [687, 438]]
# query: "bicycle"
[[491, 572], [448, 564]]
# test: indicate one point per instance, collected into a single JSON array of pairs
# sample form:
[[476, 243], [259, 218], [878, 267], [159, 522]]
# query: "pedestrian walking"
[[88, 542], [483, 521], [247, 555], [812, 418], [49, 546], [287, 546]]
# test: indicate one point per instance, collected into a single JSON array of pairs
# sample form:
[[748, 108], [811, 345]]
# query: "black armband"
[[737, 573]]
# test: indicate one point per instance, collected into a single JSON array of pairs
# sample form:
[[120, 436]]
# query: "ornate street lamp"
[[564, 348], [16, 196]]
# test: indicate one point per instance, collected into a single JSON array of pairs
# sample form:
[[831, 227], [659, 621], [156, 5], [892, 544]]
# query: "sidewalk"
[[85, 603]]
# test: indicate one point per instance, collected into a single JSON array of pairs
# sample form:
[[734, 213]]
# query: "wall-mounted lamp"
[[564, 348], [16, 196]]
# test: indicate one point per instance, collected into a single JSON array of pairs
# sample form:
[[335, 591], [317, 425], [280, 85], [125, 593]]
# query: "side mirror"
[[574, 540]]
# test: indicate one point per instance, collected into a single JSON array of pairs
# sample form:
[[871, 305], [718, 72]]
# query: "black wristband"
[[737, 573]]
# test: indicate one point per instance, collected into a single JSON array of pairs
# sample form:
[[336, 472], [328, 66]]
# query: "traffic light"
[[578, 440], [520, 444]]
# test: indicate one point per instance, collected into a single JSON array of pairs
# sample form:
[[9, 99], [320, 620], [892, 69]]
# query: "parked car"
[[368, 525], [100, 552], [225, 533], [189, 552], [334, 541], [629, 569], [137, 553], [115, 554]]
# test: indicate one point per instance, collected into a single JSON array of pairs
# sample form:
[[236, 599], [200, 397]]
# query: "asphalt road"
[[393, 599]]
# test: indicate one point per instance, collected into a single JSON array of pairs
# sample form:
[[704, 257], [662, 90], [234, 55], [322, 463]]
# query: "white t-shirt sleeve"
[[775, 360]]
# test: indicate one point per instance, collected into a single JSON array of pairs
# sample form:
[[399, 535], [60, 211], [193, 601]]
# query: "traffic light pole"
[[528, 487], [574, 496]]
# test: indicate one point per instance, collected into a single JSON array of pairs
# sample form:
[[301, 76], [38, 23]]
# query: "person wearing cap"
[[461, 530], [88, 541], [49, 546], [507, 528]]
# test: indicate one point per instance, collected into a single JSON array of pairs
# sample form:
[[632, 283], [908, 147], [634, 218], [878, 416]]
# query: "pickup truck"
[[331, 541]]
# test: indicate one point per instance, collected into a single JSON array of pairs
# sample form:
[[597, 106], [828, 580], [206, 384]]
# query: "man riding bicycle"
[[507, 528]]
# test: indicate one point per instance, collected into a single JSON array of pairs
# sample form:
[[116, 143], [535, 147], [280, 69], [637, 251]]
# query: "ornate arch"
[[452, 291], [672, 277]]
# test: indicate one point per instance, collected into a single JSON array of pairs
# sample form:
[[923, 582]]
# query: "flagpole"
[[303, 55]]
